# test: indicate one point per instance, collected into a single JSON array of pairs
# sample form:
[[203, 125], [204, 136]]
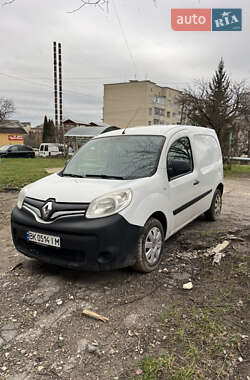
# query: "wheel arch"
[[161, 217], [220, 187]]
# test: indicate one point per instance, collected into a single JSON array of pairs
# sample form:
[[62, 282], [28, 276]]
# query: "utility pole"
[[58, 86], [60, 82], [55, 85]]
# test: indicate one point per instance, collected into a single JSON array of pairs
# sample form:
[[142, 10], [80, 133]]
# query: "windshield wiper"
[[104, 176], [72, 175]]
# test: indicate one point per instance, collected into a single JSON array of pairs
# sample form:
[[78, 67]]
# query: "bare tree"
[[83, 3], [7, 108], [100, 3], [244, 130], [218, 104]]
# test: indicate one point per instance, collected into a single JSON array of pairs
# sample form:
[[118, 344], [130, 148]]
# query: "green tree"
[[48, 130], [218, 104], [45, 129]]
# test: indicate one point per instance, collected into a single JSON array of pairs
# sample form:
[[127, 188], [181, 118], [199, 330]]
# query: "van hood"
[[74, 190]]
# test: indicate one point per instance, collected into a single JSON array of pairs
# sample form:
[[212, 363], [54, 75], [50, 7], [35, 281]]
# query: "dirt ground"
[[201, 333]]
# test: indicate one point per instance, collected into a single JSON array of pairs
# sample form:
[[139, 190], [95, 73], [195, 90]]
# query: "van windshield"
[[121, 157]]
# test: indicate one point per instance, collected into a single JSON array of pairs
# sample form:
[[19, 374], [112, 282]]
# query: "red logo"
[[191, 19], [15, 138]]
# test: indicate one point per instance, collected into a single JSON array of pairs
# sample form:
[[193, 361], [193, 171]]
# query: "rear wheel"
[[150, 247], [215, 210]]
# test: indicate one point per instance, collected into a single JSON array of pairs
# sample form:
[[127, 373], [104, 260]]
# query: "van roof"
[[163, 130]]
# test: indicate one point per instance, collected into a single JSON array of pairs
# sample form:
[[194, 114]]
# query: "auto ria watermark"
[[206, 19]]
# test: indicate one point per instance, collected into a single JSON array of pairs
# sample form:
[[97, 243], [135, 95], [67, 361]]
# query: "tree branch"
[[8, 2], [99, 3]]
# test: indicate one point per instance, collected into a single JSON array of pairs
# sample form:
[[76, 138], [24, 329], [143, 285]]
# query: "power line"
[[68, 92], [125, 38]]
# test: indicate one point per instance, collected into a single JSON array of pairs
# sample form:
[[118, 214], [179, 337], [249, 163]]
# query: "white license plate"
[[35, 237]]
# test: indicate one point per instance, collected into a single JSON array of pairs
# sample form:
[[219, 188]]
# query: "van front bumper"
[[86, 244]]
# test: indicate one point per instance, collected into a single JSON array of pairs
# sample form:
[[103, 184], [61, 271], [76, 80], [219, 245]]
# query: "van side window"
[[179, 158], [46, 148]]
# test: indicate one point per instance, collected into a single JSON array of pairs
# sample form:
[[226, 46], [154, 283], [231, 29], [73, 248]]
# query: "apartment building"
[[136, 103]]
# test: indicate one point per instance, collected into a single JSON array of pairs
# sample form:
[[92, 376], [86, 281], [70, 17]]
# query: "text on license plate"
[[43, 239]]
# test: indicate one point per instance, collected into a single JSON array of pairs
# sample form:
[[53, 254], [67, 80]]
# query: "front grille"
[[59, 210]]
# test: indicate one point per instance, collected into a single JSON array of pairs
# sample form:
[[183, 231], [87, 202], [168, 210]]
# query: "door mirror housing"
[[181, 167]]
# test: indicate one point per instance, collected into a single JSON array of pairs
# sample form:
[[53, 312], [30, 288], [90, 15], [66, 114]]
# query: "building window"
[[159, 111], [159, 99], [156, 121], [149, 122], [150, 111], [168, 114], [162, 122], [174, 115], [169, 101]]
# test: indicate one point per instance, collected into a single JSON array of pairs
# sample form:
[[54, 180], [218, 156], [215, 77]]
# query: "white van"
[[120, 197], [50, 149]]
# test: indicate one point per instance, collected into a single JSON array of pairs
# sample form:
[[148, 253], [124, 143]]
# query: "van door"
[[183, 182], [208, 154], [45, 150], [40, 153]]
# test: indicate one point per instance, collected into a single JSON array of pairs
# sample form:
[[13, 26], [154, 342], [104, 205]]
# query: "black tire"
[[215, 210], [147, 261]]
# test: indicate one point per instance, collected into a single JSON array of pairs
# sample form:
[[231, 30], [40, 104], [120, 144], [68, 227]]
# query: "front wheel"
[[215, 210], [150, 247]]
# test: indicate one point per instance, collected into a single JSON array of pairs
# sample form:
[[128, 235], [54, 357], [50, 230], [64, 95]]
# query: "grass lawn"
[[18, 172], [237, 171]]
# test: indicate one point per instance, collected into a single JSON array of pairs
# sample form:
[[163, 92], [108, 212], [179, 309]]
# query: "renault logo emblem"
[[46, 210]]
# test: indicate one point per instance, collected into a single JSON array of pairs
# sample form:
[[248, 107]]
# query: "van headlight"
[[21, 196], [109, 204]]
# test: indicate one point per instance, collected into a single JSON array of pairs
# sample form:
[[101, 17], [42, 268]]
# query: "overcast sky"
[[133, 38]]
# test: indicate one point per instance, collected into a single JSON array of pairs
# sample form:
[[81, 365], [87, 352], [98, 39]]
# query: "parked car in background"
[[14, 151], [50, 149]]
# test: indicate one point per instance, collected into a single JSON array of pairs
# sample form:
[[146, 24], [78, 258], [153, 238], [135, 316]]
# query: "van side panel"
[[208, 159]]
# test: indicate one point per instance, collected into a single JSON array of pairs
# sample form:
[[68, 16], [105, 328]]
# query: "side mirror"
[[181, 167]]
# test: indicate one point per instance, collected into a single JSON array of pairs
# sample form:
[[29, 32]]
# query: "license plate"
[[35, 237]]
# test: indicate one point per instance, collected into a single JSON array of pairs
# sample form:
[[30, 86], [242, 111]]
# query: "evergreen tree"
[[45, 129], [48, 130], [219, 102]]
